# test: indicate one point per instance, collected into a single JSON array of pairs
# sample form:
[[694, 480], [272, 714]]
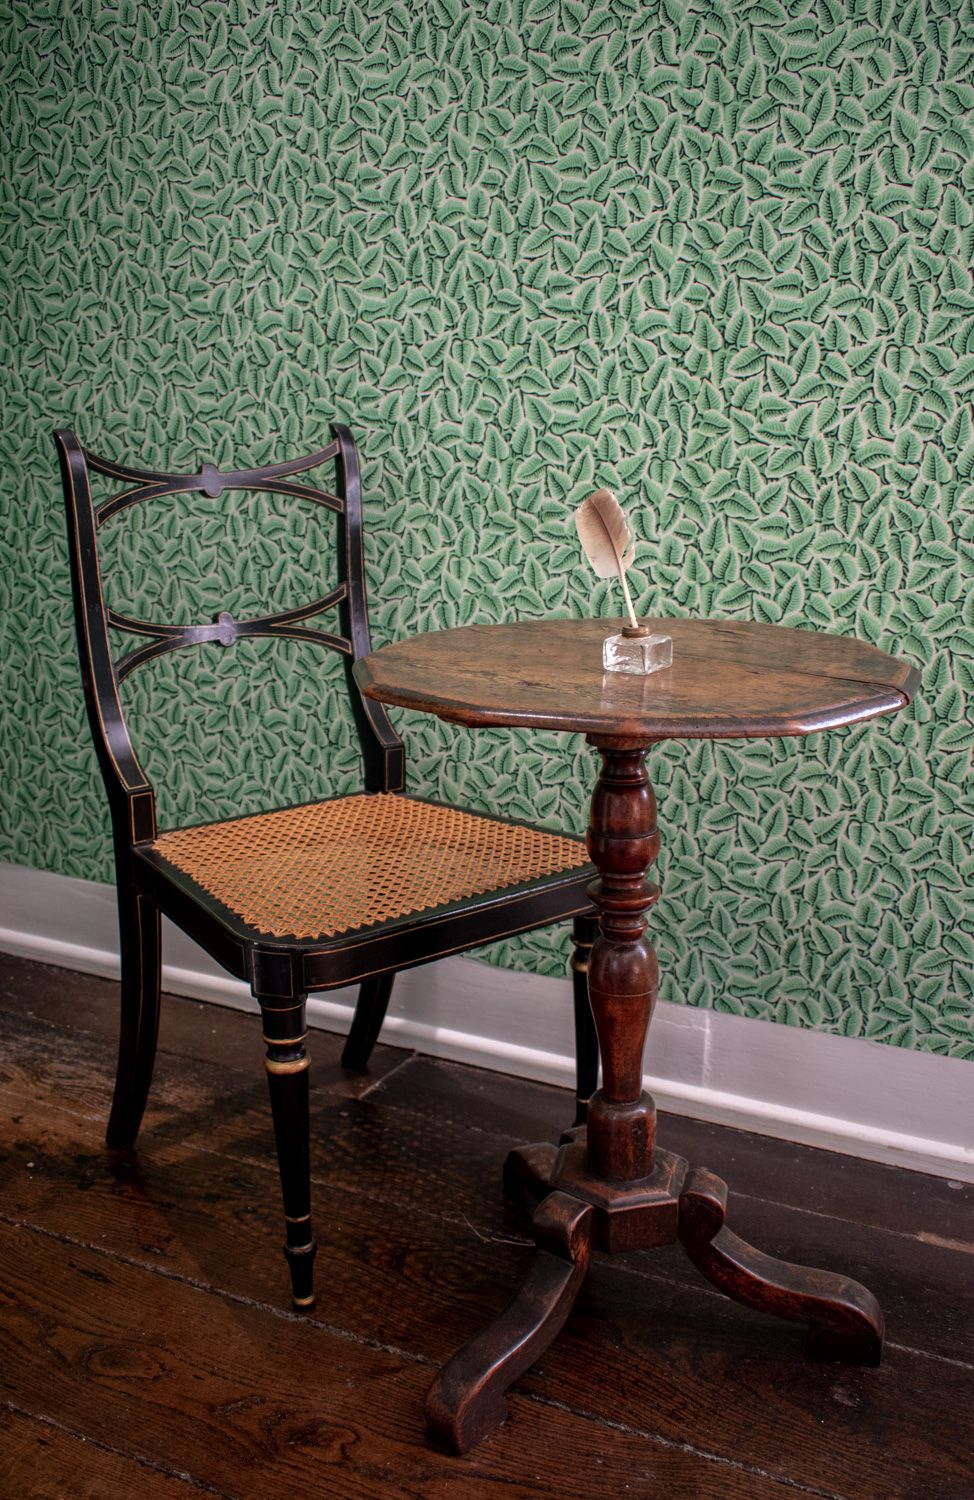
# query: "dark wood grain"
[[316, 1413], [728, 679], [415, 1281], [403, 1273], [925, 1285], [764, 1166], [202, 1031], [40, 1461]]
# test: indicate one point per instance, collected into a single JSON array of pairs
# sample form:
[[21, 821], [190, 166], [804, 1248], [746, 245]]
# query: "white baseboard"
[[888, 1104]]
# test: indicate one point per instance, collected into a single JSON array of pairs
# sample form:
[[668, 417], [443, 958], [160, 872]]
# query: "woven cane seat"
[[332, 867]]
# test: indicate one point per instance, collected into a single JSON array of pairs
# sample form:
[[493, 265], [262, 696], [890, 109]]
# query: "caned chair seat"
[[328, 868]]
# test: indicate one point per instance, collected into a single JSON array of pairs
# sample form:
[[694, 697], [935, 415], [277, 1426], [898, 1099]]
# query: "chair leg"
[[584, 932], [370, 1012], [287, 1064], [139, 941]]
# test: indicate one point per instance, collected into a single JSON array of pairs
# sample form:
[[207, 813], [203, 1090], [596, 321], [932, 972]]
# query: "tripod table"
[[608, 1186]]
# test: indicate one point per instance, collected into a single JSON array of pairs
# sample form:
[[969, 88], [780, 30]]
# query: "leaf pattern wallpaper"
[[715, 254]]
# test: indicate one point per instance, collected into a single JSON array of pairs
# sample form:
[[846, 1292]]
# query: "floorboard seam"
[[135, 1458], [484, 1233], [366, 1093], [817, 1213], [944, 1359], [691, 1448], [285, 1315]]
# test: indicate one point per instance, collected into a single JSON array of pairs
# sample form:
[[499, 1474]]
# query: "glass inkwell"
[[609, 545], [638, 649]]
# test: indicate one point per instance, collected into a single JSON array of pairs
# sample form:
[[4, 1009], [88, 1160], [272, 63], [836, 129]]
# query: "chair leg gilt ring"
[[287, 1064]]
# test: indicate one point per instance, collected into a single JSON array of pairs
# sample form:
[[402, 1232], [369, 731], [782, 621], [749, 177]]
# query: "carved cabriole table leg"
[[466, 1400], [609, 1186], [844, 1319]]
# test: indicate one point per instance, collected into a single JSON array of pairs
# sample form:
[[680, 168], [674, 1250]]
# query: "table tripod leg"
[[527, 1173], [845, 1320], [466, 1400]]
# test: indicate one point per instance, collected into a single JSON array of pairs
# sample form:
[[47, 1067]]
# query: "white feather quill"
[[607, 541]]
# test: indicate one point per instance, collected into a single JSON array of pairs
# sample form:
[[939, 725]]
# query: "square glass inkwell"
[[610, 546], [638, 649]]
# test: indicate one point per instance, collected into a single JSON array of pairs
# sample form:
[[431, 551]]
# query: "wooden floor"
[[147, 1348]]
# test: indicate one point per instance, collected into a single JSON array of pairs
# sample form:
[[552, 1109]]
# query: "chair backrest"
[[129, 791]]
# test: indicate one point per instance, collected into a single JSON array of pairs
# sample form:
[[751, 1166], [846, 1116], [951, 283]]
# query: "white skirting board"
[[913, 1109]]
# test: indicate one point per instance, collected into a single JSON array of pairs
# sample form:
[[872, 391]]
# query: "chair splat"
[[381, 747], [227, 631], [273, 478]]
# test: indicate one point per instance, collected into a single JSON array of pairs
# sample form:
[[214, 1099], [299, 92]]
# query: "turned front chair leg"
[[584, 933], [287, 1064]]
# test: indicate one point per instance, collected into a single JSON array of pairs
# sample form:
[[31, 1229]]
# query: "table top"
[[729, 679]]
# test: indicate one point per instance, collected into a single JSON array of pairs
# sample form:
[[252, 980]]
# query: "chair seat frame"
[[349, 957]]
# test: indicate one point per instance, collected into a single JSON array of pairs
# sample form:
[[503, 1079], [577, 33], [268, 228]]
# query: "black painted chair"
[[307, 898]]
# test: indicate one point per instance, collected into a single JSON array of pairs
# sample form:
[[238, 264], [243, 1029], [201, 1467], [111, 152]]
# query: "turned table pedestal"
[[608, 1186]]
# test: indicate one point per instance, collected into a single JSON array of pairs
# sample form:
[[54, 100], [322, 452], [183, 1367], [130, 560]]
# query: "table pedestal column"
[[608, 1186], [614, 1163]]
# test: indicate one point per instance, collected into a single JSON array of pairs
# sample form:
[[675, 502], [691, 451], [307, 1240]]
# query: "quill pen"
[[607, 540]]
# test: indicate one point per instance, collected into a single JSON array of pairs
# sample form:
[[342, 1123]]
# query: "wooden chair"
[[311, 897]]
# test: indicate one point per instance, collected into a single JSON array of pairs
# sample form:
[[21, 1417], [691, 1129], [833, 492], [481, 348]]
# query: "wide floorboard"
[[147, 1347]]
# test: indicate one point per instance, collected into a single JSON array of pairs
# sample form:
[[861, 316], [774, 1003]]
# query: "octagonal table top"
[[729, 679]]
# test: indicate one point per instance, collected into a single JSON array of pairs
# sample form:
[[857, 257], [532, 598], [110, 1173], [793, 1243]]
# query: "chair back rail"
[[130, 793]]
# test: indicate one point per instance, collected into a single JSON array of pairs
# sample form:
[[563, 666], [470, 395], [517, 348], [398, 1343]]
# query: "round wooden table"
[[608, 1186]]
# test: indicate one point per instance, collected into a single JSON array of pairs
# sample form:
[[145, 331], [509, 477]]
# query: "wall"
[[716, 257]]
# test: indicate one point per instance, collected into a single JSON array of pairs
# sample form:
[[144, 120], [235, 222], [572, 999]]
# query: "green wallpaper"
[[717, 256]]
